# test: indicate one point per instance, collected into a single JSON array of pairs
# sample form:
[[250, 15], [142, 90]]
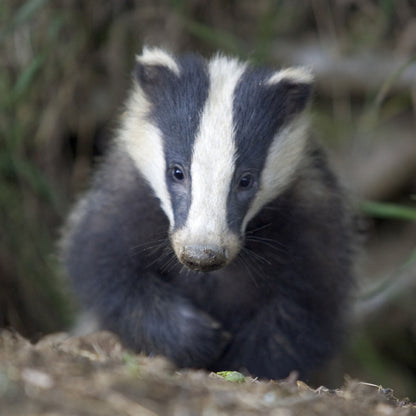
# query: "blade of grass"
[[387, 85], [25, 12], [388, 210], [12, 166], [26, 77], [371, 116]]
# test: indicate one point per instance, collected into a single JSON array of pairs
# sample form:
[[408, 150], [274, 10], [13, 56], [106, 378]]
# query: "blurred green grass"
[[33, 299]]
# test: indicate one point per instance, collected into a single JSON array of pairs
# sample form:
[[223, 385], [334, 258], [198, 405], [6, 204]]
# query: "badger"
[[214, 232]]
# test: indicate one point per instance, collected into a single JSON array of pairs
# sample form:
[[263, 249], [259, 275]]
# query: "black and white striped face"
[[216, 140]]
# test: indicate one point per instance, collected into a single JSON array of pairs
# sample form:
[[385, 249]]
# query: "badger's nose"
[[203, 257]]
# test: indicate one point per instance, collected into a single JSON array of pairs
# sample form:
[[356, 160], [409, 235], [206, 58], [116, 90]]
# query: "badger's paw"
[[196, 339]]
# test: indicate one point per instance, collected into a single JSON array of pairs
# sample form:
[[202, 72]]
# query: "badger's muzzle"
[[203, 258]]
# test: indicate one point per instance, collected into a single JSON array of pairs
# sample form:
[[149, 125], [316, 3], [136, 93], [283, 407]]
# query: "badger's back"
[[214, 232]]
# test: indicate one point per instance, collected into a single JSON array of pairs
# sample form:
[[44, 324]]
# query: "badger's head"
[[216, 140]]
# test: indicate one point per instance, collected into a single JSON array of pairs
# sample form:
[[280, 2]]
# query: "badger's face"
[[216, 140]]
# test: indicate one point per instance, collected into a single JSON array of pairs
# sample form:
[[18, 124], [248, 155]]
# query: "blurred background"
[[66, 67]]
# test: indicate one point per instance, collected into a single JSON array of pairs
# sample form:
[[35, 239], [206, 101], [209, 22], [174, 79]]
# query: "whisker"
[[260, 228], [268, 242], [184, 270], [247, 266], [149, 244], [169, 263], [257, 256], [164, 251]]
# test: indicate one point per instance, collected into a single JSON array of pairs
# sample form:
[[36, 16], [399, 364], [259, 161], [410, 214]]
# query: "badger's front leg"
[[151, 318]]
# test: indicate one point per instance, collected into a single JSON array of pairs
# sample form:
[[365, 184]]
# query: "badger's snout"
[[203, 257]]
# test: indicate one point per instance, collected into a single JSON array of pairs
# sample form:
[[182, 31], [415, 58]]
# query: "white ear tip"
[[157, 56], [150, 51], [299, 74]]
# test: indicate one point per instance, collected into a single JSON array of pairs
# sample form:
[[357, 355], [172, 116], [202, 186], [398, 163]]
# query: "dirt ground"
[[94, 375]]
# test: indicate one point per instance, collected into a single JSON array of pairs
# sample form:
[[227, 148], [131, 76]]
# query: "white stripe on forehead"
[[213, 154]]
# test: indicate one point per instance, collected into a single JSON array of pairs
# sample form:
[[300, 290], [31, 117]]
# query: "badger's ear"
[[153, 66], [295, 85]]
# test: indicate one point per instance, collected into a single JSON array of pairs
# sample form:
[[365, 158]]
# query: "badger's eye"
[[177, 174], [246, 181]]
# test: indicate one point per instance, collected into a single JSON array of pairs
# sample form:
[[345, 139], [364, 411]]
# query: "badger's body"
[[214, 232]]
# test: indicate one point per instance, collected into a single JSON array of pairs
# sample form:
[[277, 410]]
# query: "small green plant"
[[233, 376], [132, 364]]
